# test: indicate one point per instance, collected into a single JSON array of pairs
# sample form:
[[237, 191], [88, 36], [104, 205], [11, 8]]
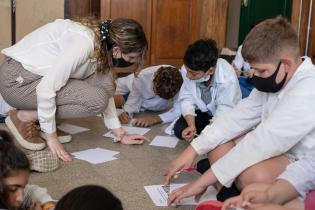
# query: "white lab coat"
[[283, 122], [142, 96]]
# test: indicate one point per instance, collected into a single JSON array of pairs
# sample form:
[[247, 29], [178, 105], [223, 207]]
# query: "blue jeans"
[[246, 86]]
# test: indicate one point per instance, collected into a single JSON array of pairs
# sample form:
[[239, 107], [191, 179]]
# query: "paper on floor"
[[164, 141], [130, 130], [72, 129], [159, 196], [96, 155]]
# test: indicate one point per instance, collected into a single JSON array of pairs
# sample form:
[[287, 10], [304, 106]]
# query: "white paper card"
[[164, 141], [159, 196], [96, 156], [72, 129], [129, 130]]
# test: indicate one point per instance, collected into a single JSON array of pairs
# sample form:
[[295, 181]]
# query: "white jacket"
[[58, 51], [225, 91], [301, 174], [142, 96], [283, 122]]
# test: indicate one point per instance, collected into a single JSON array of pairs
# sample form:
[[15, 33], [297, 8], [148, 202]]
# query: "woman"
[[64, 70]]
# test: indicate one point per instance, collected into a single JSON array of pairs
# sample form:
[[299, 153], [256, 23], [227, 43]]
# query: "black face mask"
[[120, 62], [268, 84]]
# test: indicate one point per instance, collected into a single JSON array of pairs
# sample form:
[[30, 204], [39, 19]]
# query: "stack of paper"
[[129, 130], [159, 196], [164, 141], [96, 156]]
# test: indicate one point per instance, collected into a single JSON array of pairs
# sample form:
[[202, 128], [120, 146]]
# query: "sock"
[[203, 165], [226, 193]]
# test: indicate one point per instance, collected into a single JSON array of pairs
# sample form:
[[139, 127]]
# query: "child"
[[64, 70], [15, 192], [297, 180], [256, 140], [243, 71], [210, 88], [155, 88], [89, 197]]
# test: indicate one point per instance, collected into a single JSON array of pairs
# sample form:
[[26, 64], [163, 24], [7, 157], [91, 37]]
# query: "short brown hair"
[[268, 39], [167, 82]]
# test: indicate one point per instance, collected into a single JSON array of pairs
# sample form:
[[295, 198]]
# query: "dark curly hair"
[[201, 55], [167, 82]]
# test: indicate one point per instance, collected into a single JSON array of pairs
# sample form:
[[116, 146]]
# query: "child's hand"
[[252, 198], [184, 160], [124, 118], [234, 201], [189, 133], [191, 189], [34, 206], [146, 121], [132, 139]]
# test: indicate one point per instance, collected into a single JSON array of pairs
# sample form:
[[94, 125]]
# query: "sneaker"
[[203, 165], [63, 136], [43, 161], [25, 133]]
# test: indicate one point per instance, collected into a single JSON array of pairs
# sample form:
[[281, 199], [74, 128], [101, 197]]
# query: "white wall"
[[233, 23], [30, 14]]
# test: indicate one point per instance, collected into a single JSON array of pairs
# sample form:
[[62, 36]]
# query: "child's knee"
[[251, 176]]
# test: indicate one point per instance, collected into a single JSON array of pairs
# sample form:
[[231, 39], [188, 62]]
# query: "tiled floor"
[[135, 167]]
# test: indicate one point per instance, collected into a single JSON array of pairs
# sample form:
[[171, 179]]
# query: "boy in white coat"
[[266, 131], [155, 88], [210, 88]]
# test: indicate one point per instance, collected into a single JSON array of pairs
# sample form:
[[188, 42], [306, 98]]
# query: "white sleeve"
[[76, 50], [38, 194], [111, 120], [229, 125], [301, 174], [135, 98], [172, 114], [278, 133], [186, 98], [238, 60], [229, 94]]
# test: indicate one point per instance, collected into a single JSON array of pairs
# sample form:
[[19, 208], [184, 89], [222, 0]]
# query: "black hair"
[[12, 159], [201, 55], [89, 197]]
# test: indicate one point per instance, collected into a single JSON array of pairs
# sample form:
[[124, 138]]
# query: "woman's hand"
[[132, 139], [56, 147], [34, 206], [184, 160]]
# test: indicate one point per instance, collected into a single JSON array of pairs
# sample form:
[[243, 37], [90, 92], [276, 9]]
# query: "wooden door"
[[177, 23]]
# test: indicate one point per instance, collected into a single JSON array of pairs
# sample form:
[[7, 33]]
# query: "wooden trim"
[[105, 9]]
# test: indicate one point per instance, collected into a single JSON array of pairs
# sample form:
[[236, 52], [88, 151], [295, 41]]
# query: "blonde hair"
[[127, 34], [268, 39]]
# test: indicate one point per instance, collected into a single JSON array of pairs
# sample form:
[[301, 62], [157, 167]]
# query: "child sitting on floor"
[[156, 89], [15, 192]]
